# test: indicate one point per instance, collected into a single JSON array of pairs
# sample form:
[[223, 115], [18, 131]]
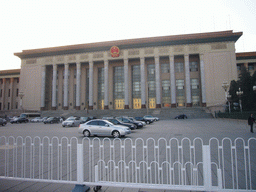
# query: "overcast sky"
[[31, 24]]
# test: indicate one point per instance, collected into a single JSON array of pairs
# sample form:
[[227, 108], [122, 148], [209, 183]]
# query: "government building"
[[157, 72]]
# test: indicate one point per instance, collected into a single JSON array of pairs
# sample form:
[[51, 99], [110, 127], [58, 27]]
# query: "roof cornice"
[[195, 38]]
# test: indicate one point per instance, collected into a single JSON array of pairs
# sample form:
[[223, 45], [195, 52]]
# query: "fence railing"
[[161, 164]]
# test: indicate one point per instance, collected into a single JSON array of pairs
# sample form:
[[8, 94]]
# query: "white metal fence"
[[161, 164]]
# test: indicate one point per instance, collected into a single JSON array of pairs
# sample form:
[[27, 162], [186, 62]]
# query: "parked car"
[[36, 120], [19, 120], [147, 121], [72, 122], [182, 116], [52, 120], [127, 120], [117, 122], [133, 119], [100, 127], [3, 122], [150, 117], [85, 119]]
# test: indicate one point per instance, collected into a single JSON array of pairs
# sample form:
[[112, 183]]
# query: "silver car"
[[71, 122], [100, 127]]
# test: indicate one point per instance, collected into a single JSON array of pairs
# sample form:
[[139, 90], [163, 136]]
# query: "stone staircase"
[[163, 113]]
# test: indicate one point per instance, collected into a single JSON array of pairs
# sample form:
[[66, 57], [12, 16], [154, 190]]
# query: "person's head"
[[251, 115]]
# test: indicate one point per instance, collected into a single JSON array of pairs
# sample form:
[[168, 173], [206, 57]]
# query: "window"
[[93, 123], [239, 66], [179, 67], [165, 68], [251, 66], [9, 92], [17, 92], [193, 66], [180, 84], [102, 123]]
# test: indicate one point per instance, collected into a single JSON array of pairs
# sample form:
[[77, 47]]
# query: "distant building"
[[168, 71], [247, 60], [9, 89]]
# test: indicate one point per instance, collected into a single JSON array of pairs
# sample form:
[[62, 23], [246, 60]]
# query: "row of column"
[[126, 83], [4, 97]]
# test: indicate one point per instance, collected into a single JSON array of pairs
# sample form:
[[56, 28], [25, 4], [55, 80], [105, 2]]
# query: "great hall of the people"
[[157, 72]]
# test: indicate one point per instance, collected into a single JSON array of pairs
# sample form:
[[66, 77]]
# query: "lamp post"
[[225, 86], [239, 94], [229, 97], [21, 95], [254, 88]]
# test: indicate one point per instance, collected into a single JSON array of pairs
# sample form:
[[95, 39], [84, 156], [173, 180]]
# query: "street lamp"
[[254, 88], [225, 86], [21, 95], [239, 94], [229, 97]]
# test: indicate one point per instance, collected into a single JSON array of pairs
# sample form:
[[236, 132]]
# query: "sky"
[[32, 24]]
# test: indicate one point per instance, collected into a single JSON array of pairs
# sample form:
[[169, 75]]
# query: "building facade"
[[9, 89], [169, 71], [247, 60]]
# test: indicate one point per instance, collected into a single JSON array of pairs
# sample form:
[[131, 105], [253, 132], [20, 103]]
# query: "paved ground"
[[191, 128]]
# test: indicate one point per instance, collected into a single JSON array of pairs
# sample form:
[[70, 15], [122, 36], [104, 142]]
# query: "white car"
[[71, 122], [150, 117], [36, 120], [100, 127]]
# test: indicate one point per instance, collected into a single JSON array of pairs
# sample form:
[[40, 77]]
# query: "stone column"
[[172, 82], [90, 85], [202, 74], [43, 88], [54, 84], [106, 84], [142, 82], [187, 79], [78, 85], [158, 83], [66, 86], [11, 93], [126, 85]]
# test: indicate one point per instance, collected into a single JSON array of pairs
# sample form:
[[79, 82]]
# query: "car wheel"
[[86, 133], [116, 134], [147, 122], [63, 125], [51, 122]]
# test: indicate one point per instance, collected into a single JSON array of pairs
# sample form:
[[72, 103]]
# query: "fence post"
[[80, 171], [207, 167]]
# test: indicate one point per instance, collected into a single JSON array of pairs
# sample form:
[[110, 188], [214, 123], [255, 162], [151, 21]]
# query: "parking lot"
[[191, 128]]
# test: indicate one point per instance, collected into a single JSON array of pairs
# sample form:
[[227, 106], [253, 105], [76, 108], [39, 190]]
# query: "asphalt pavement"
[[182, 128]]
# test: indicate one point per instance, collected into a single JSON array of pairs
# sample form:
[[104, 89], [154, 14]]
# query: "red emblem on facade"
[[114, 51]]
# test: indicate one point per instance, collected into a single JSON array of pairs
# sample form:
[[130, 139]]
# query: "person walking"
[[251, 120]]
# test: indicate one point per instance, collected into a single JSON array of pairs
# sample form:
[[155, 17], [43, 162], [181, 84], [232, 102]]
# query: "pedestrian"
[[251, 120]]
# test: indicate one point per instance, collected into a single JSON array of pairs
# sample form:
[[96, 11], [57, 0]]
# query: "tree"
[[245, 82]]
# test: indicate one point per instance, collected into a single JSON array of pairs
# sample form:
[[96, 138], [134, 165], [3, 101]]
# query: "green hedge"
[[236, 115]]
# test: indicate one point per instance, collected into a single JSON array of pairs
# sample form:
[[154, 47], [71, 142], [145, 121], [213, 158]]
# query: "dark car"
[[127, 120], [148, 121], [182, 116], [3, 122], [52, 120], [19, 120], [117, 122]]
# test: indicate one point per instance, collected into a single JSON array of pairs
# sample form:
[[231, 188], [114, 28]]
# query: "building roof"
[[245, 55], [10, 72], [195, 38]]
